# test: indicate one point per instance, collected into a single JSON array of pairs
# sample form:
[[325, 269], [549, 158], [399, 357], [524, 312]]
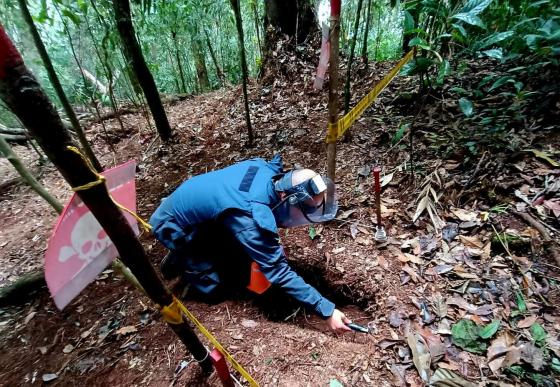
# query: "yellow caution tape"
[[337, 129], [101, 180], [173, 314]]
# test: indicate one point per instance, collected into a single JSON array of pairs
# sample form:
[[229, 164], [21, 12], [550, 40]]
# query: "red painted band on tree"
[[9, 55], [335, 8]]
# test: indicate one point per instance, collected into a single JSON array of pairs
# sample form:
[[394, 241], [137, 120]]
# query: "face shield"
[[312, 201]]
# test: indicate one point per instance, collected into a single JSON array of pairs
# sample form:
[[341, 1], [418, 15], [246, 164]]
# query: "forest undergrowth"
[[464, 291]]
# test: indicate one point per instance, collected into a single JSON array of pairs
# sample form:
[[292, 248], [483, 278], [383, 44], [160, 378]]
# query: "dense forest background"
[[192, 47], [189, 46]]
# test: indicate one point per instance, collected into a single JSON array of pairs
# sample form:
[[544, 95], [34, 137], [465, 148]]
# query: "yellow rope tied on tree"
[[101, 180]]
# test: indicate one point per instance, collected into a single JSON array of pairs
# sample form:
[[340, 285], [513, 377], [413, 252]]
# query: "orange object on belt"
[[257, 282]]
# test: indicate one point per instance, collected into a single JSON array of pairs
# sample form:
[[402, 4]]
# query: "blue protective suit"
[[239, 198]]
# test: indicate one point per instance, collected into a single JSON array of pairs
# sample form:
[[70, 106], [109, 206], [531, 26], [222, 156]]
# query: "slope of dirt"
[[432, 273]]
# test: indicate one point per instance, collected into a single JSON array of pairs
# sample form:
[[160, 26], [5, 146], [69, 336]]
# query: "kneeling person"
[[227, 220]]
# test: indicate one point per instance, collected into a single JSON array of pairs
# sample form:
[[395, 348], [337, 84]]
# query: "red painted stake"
[[221, 367], [377, 184]]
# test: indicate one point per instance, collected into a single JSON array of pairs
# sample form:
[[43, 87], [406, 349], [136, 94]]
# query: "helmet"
[[311, 201]]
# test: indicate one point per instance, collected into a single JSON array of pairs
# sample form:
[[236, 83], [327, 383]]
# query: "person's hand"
[[337, 322]]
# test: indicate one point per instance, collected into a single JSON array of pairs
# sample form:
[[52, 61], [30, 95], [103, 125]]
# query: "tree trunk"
[[219, 71], [366, 33], [8, 153], [257, 26], [351, 60], [200, 64], [57, 86], [378, 34], [94, 81], [133, 53], [237, 10], [17, 292], [333, 87], [294, 18], [27, 100], [105, 61], [179, 64]]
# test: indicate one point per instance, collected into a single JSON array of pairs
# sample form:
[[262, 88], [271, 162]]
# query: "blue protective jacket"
[[240, 197]]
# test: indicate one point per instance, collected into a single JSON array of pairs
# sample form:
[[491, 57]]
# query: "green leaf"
[[470, 19], [520, 301], [408, 22], [465, 334], [312, 232], [466, 106], [399, 134], [420, 43], [423, 63], [476, 6], [495, 53], [490, 330], [72, 16], [538, 334], [444, 70], [495, 38], [43, 14], [461, 29], [417, 66], [516, 370], [458, 90], [555, 365], [500, 82]]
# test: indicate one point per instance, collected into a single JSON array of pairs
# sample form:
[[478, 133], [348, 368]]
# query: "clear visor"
[[320, 208]]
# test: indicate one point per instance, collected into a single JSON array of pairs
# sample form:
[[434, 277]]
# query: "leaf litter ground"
[[467, 294]]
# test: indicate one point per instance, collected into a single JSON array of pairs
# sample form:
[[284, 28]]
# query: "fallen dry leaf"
[[126, 330], [497, 351], [383, 262], [533, 355], [464, 215], [339, 250], [420, 354], [527, 322], [249, 323], [413, 275], [439, 304], [448, 366], [461, 303], [554, 206], [553, 344], [29, 317], [345, 214], [398, 375], [434, 342], [445, 378], [471, 241]]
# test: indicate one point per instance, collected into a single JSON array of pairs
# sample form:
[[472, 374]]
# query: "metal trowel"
[[358, 328]]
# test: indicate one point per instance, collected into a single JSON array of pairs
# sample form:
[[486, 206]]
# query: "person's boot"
[[169, 266]]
